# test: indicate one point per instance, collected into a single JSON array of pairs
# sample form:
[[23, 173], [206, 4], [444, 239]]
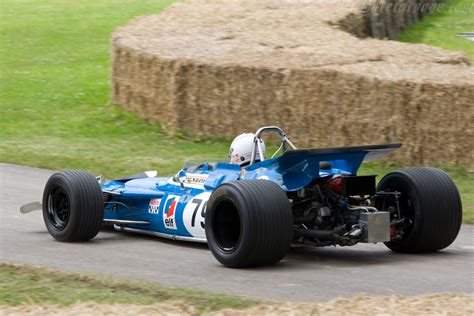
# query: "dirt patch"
[[222, 68], [430, 304]]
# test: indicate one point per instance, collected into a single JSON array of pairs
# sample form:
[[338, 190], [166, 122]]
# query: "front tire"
[[249, 223], [430, 199], [73, 206]]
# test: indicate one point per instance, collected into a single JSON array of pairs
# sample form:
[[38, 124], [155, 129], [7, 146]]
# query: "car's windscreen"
[[193, 165]]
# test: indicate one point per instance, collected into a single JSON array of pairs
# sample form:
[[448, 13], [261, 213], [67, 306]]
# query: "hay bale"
[[215, 69], [387, 18]]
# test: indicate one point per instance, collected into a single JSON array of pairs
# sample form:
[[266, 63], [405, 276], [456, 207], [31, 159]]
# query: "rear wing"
[[345, 158], [357, 154], [296, 168]]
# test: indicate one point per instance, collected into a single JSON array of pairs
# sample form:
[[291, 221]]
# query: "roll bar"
[[257, 141]]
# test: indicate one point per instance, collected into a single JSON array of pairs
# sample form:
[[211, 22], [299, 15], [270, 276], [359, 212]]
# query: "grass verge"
[[441, 28], [37, 291], [30, 285], [54, 63], [55, 113]]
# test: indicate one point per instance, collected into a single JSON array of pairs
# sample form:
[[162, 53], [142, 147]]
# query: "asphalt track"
[[305, 274]]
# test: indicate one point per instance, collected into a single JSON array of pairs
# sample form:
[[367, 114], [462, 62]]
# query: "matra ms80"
[[251, 215]]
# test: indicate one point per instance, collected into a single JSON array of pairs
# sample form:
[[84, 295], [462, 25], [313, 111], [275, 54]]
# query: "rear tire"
[[249, 223], [73, 206], [431, 200]]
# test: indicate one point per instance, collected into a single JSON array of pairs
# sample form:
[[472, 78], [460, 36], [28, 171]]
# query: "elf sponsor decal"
[[194, 214], [169, 211], [154, 206]]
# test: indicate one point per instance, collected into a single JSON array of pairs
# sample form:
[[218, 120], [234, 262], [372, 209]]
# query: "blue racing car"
[[252, 209]]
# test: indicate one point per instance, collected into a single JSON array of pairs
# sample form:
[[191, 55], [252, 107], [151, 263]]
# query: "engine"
[[339, 210]]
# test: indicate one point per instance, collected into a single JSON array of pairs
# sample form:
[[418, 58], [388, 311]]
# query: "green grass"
[[441, 28], [54, 96], [54, 61], [30, 285]]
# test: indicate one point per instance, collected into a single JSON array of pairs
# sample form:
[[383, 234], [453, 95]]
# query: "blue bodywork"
[[175, 207]]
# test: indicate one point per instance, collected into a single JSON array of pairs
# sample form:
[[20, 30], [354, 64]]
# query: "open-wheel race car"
[[251, 215]]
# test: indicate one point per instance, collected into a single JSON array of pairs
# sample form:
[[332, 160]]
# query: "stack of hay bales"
[[215, 68], [386, 18]]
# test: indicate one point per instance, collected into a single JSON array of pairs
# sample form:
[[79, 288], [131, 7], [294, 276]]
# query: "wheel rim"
[[59, 209], [227, 226], [407, 208]]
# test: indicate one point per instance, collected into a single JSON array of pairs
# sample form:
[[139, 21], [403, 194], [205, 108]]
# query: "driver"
[[241, 149]]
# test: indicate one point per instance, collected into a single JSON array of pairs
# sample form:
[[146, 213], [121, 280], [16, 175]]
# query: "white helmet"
[[241, 149]]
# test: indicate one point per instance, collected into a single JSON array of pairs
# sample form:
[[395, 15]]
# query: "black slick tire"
[[73, 206], [249, 223], [432, 202]]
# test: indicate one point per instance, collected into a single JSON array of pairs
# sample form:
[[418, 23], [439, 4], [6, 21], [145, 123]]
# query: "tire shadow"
[[299, 258], [305, 258]]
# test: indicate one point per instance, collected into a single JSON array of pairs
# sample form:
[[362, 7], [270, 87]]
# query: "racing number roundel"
[[194, 213]]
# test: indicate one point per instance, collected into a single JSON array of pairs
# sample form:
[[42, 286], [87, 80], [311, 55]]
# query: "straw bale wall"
[[387, 18], [214, 68]]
